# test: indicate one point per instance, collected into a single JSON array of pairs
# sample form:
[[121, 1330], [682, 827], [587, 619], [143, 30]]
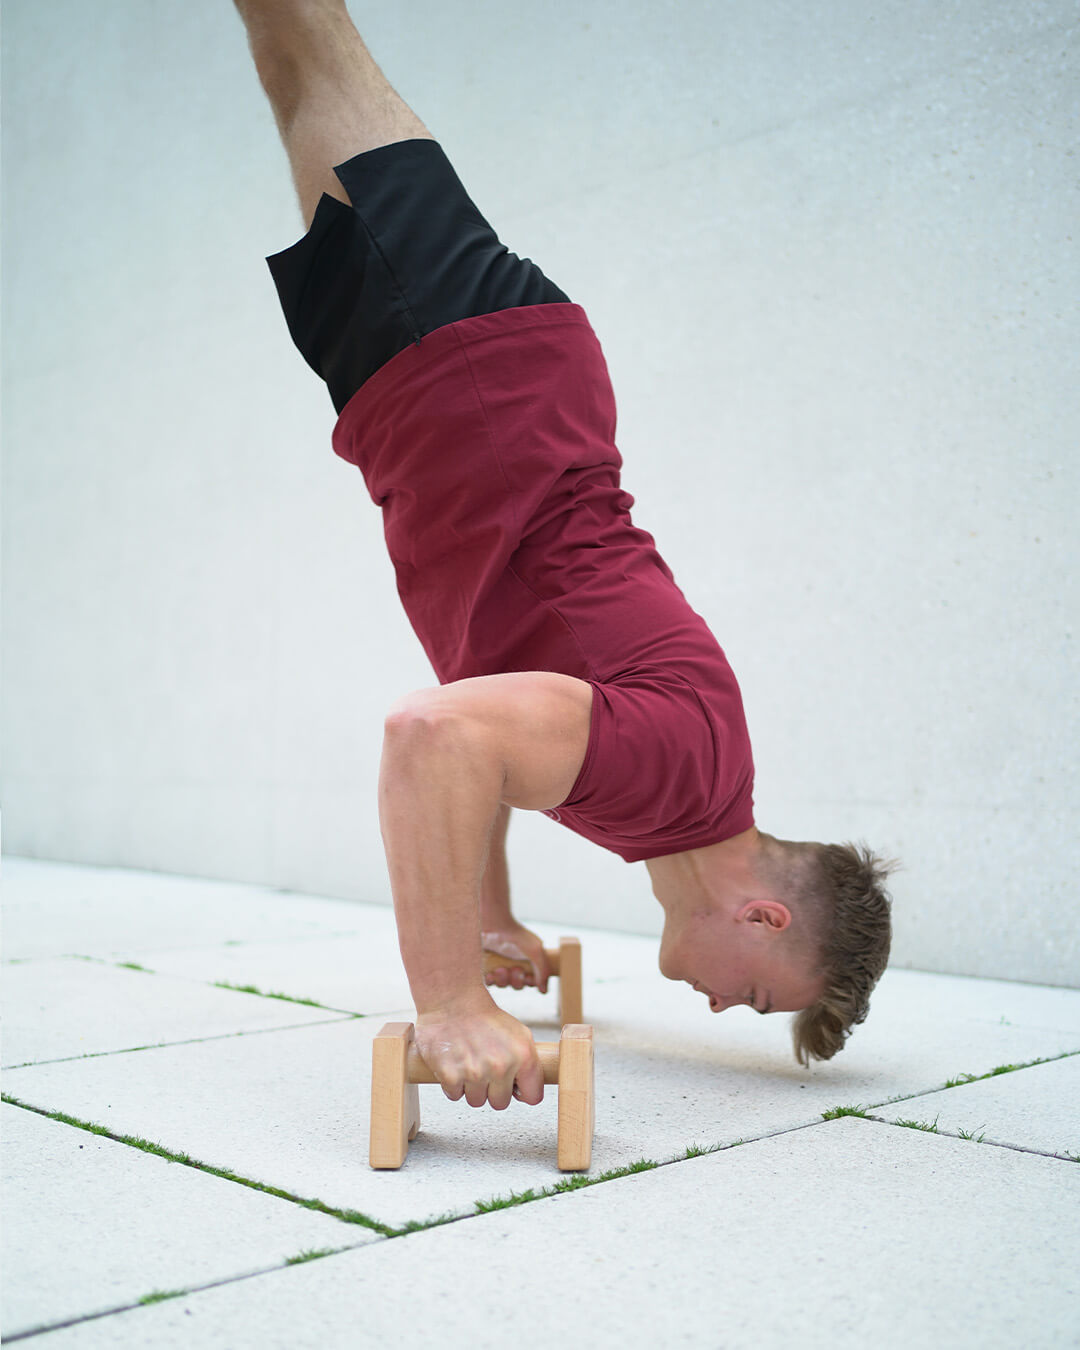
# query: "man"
[[574, 677]]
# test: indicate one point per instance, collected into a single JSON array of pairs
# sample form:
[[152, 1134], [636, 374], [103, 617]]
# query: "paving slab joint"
[[284, 998], [351, 1216], [195, 1040]]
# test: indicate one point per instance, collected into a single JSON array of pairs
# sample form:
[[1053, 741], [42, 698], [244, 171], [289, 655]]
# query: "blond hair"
[[842, 917]]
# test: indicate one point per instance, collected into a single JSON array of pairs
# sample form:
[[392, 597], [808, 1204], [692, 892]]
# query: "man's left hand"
[[517, 943]]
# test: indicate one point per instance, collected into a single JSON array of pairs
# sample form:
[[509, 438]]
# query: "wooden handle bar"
[[417, 1070], [493, 961]]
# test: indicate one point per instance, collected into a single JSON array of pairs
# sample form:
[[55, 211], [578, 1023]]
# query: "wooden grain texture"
[[577, 1098], [418, 1071], [570, 1006], [395, 1102]]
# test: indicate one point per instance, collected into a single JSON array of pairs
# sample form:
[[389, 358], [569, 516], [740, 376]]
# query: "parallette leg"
[[570, 1010], [395, 1102], [577, 1098]]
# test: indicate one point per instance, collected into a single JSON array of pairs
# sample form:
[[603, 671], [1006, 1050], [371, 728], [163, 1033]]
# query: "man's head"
[[842, 913], [779, 926]]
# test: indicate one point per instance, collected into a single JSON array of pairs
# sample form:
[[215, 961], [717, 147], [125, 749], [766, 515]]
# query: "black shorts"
[[409, 255]]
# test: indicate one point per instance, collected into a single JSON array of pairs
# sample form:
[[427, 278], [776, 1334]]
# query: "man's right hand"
[[482, 1054]]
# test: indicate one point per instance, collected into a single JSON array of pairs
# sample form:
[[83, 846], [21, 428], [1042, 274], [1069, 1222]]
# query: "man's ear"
[[771, 914]]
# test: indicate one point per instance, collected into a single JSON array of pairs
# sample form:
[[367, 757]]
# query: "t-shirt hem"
[[743, 821]]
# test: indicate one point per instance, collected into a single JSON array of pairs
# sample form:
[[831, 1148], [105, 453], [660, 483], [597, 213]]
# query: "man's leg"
[[331, 101]]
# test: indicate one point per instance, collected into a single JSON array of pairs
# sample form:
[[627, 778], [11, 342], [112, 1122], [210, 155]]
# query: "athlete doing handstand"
[[574, 678]]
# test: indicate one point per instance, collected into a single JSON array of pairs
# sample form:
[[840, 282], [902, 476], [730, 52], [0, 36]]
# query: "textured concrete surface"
[[54, 909], [1035, 1108], [92, 1225], [669, 1075], [65, 1007], [851, 1233], [825, 1226]]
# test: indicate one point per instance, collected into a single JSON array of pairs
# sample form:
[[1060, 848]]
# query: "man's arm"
[[451, 757], [500, 932]]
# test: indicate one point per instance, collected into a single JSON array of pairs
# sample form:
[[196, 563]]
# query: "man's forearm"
[[440, 789], [495, 884]]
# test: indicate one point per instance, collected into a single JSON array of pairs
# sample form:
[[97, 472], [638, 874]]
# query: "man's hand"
[[517, 943], [481, 1053]]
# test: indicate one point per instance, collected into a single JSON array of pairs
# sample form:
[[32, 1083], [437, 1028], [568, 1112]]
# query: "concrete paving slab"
[[669, 1075], [56, 909], [846, 1234], [1035, 1108], [362, 972], [91, 1225], [290, 1109], [922, 1031], [64, 1007]]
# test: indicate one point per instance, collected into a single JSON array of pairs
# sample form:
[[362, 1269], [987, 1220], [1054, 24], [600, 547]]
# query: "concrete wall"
[[830, 251]]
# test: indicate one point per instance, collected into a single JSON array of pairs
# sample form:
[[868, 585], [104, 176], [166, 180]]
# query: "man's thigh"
[[410, 254]]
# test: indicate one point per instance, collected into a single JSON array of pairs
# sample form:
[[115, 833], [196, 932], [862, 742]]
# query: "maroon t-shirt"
[[490, 446]]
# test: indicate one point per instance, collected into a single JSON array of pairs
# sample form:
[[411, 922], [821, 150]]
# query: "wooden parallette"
[[565, 962], [396, 1069]]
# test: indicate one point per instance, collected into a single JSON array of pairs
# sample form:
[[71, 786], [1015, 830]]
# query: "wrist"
[[457, 1005]]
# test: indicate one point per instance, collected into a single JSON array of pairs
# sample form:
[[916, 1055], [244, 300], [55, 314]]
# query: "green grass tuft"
[[261, 993], [575, 1182], [160, 1295], [133, 965], [420, 1225], [837, 1111], [312, 1254], [930, 1127], [963, 1078], [970, 1134], [571, 1183], [505, 1201]]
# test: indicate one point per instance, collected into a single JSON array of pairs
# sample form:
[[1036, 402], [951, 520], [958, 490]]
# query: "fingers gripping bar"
[[397, 1068], [565, 962]]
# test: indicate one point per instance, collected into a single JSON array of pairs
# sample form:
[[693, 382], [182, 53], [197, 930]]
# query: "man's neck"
[[703, 879]]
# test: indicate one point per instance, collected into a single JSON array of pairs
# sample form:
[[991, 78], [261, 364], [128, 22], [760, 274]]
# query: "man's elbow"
[[423, 723]]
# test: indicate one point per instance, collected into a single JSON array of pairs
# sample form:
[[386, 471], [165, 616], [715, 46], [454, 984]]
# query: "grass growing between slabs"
[[929, 1126], [976, 1135], [217, 984], [575, 1182], [285, 998], [313, 1254], [961, 1080], [351, 1216]]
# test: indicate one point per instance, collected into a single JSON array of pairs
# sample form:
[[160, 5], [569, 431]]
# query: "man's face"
[[732, 961]]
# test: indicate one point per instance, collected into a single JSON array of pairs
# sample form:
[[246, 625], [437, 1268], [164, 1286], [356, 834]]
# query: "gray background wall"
[[830, 251]]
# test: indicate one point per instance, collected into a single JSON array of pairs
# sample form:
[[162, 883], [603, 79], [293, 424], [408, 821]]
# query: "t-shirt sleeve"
[[651, 767]]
